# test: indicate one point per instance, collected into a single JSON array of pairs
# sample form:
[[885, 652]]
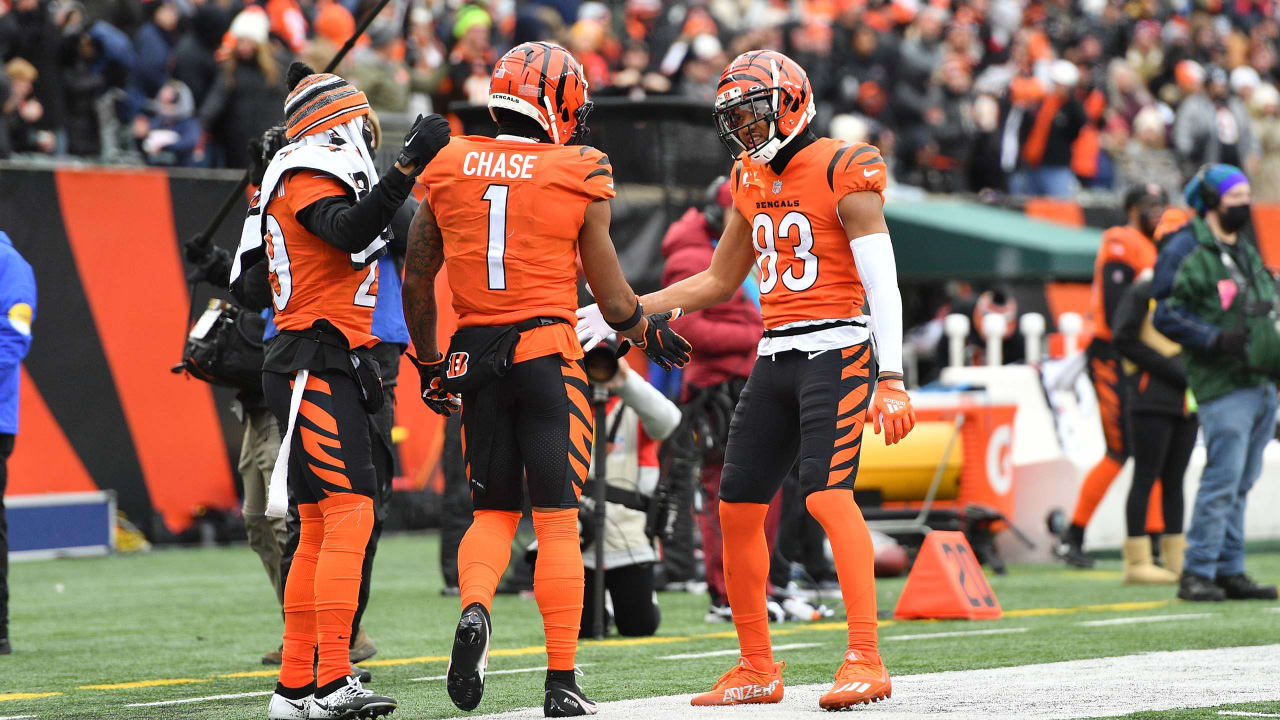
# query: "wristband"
[[630, 322], [886, 375]]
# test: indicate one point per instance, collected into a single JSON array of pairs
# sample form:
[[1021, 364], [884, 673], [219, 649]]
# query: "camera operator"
[[1218, 301], [639, 417]]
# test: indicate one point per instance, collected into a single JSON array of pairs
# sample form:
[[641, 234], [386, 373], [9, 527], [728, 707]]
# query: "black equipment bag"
[[224, 347]]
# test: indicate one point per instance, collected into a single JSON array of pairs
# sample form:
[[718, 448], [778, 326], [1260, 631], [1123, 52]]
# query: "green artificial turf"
[[198, 615]]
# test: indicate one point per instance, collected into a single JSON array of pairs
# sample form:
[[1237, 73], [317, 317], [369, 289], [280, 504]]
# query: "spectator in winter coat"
[[155, 43], [193, 59], [36, 39], [169, 133], [1046, 131], [1213, 126], [248, 93]]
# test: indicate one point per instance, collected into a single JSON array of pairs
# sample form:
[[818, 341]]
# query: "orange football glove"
[[891, 409]]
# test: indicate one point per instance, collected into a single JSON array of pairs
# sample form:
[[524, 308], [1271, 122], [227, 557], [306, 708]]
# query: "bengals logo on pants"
[[457, 365]]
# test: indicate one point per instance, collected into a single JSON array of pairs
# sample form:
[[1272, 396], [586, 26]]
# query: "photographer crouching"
[[638, 418], [1216, 299]]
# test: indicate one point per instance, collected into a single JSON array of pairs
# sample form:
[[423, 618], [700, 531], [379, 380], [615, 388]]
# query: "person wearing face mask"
[[1217, 300]]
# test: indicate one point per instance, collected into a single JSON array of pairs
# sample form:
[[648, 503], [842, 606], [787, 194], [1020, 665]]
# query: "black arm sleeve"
[[1129, 317], [1116, 279], [351, 226], [251, 290]]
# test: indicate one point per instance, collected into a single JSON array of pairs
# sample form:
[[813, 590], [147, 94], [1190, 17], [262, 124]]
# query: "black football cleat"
[[1070, 548], [563, 697], [470, 657]]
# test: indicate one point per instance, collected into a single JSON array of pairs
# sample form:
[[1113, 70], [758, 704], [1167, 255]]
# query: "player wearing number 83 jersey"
[[808, 212]]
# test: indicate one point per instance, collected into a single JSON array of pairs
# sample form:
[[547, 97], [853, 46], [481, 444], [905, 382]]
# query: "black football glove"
[[1233, 343], [262, 149], [433, 395], [427, 137], [663, 345]]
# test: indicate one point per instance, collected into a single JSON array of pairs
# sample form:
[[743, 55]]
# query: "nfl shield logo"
[[777, 186]]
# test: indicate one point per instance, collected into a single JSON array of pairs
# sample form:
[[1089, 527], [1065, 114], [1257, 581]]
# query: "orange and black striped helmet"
[[543, 81], [763, 101]]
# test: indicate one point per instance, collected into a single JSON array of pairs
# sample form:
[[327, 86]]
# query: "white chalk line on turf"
[[1049, 691], [1241, 713], [957, 633], [487, 673], [734, 651], [1143, 619], [16, 717], [207, 698]]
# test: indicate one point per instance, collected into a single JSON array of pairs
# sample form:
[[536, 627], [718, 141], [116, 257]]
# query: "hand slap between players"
[[433, 395], [663, 345], [427, 137], [891, 409]]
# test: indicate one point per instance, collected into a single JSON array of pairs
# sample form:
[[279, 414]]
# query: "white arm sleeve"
[[658, 415], [873, 255]]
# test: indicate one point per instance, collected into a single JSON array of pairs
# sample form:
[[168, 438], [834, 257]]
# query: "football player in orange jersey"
[[1125, 252], [319, 223], [509, 218], [808, 211]]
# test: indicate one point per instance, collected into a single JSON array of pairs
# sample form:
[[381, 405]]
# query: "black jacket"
[[1157, 380]]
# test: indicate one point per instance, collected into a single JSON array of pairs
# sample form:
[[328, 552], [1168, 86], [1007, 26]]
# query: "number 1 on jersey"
[[497, 197]]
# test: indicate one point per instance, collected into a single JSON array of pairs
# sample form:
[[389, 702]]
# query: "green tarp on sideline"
[[946, 239]]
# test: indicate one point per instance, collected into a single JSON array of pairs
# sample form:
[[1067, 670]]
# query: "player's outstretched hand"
[[592, 327], [891, 409], [427, 137], [662, 344], [435, 397]]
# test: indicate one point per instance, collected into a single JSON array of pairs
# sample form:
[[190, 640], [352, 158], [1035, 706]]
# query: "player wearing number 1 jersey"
[[809, 210], [508, 217]]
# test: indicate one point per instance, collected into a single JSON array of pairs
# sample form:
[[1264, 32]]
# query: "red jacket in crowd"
[[724, 336]]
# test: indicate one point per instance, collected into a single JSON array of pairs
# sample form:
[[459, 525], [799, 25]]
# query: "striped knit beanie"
[[319, 101], [1219, 178]]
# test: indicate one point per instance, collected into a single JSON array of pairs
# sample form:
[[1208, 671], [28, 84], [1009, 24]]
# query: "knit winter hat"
[[319, 101], [1219, 178]]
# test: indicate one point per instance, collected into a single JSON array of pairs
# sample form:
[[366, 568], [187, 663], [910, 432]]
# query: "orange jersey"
[[510, 212], [310, 279], [1124, 254], [802, 251]]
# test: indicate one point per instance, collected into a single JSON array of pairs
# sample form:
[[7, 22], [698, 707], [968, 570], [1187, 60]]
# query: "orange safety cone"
[[947, 583]]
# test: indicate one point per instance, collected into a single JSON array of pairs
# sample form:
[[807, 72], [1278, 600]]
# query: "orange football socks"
[[855, 560], [746, 570], [298, 655], [483, 555], [1094, 487], [348, 521], [558, 583]]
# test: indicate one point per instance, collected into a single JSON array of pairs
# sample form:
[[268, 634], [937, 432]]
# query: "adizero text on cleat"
[[744, 685], [470, 657]]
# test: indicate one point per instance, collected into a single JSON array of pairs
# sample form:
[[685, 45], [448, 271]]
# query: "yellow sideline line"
[[614, 642], [26, 696], [143, 684]]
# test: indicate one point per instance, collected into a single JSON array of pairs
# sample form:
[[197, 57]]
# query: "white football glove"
[[592, 327]]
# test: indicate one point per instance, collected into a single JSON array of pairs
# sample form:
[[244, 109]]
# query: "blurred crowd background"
[[1039, 98]]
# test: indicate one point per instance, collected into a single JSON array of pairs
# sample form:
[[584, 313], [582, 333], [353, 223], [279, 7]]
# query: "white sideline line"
[[735, 651], [958, 633], [1241, 713], [1144, 619], [1117, 686], [15, 717], [207, 698], [1274, 609], [490, 672]]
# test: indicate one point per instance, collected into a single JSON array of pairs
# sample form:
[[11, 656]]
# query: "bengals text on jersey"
[[802, 252], [510, 211]]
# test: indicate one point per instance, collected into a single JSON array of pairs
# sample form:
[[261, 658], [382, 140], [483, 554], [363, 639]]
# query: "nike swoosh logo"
[[865, 173], [815, 354], [410, 138], [296, 705]]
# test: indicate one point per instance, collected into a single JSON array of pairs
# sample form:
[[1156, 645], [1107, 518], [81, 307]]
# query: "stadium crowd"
[[1034, 97]]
